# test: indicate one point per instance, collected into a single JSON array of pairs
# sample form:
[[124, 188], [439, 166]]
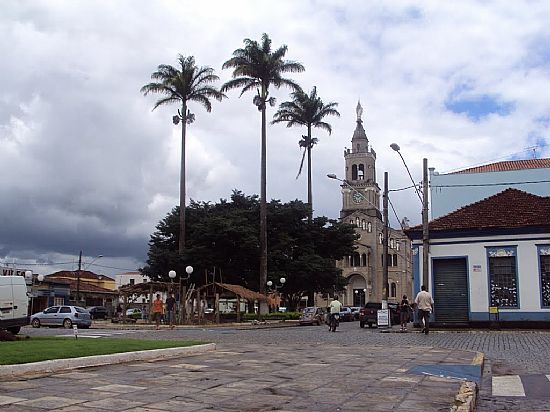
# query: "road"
[[524, 355]]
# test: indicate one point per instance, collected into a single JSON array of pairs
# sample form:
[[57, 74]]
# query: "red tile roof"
[[84, 274], [509, 209], [508, 165]]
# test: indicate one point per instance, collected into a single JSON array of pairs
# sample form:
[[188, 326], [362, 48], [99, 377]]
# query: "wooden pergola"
[[216, 291], [147, 289]]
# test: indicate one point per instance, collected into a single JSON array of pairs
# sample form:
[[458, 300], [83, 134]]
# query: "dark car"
[[355, 312], [369, 314], [98, 312]]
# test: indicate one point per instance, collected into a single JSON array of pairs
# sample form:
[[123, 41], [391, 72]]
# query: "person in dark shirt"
[[405, 310], [170, 310]]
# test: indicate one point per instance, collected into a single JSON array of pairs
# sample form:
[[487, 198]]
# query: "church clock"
[[357, 197]]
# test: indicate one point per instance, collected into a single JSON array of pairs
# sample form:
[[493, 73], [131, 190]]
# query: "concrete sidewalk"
[[317, 377]]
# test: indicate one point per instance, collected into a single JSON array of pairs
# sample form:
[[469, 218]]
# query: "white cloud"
[[87, 165]]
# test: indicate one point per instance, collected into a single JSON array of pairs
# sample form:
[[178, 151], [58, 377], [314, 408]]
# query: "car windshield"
[[309, 310], [80, 310]]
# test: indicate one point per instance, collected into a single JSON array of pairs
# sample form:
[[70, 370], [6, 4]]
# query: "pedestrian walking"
[[404, 313], [158, 308], [170, 310], [425, 303]]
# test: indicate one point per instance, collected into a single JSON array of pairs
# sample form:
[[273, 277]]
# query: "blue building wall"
[[448, 199]]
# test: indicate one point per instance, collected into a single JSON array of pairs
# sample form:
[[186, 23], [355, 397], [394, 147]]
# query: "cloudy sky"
[[86, 165]]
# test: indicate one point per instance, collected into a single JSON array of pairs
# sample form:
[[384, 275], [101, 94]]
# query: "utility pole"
[[385, 246], [425, 232], [78, 278]]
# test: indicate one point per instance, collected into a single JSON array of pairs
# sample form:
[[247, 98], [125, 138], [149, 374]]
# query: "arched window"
[[398, 245], [354, 172], [392, 243], [356, 259], [351, 222], [393, 289], [357, 222], [361, 172], [380, 238], [363, 224], [395, 260], [369, 227], [364, 260]]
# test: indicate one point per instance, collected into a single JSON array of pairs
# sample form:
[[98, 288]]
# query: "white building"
[[450, 191], [129, 278], [492, 253]]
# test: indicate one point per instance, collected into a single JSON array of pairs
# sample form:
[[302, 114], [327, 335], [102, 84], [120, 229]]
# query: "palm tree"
[[306, 110], [257, 66], [188, 83]]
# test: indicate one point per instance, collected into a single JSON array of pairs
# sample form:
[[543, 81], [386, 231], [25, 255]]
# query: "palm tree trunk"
[[263, 204], [181, 243], [309, 190]]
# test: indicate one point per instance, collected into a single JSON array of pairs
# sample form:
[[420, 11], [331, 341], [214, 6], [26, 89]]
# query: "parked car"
[[368, 315], [355, 312], [134, 313], [345, 314], [65, 316], [98, 312], [312, 315]]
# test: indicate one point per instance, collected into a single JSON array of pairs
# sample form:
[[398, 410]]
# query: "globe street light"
[[424, 201]]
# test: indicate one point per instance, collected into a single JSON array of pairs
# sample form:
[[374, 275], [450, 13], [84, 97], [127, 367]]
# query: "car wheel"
[[362, 324], [35, 323], [67, 324]]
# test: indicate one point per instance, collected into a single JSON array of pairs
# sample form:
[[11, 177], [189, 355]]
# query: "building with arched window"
[[361, 208]]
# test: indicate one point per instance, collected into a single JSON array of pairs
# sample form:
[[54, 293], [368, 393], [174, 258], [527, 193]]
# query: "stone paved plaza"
[[252, 377]]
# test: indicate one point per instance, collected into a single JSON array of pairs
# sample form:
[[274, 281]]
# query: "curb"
[[50, 366], [466, 399]]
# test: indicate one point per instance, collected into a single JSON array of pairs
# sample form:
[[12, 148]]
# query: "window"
[[58, 301], [132, 281], [354, 172], [393, 289], [65, 309], [356, 260], [392, 244], [380, 238], [369, 227], [502, 277], [397, 245], [351, 222], [544, 261], [361, 172], [364, 259], [52, 310], [357, 222], [363, 224], [394, 260]]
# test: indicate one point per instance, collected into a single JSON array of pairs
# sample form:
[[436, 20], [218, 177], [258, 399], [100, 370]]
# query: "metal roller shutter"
[[450, 291]]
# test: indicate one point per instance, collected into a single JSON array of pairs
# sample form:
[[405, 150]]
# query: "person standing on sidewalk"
[[424, 303], [170, 313], [405, 309], [158, 307]]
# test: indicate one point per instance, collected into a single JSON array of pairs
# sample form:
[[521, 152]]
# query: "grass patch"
[[47, 348]]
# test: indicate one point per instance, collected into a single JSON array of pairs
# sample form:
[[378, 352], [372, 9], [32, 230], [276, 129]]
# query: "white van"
[[14, 303]]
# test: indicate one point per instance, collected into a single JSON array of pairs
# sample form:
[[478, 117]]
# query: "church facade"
[[361, 208]]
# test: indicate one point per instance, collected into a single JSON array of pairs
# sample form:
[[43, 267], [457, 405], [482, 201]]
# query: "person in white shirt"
[[424, 303], [335, 307]]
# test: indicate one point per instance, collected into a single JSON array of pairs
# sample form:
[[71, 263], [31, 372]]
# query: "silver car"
[[65, 316]]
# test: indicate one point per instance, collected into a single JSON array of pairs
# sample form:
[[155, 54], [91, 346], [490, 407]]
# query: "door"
[[6, 300], [50, 316], [450, 292]]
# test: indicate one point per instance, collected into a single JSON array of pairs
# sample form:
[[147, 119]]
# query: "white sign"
[[383, 317]]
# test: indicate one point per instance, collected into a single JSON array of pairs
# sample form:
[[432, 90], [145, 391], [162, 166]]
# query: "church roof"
[[359, 132]]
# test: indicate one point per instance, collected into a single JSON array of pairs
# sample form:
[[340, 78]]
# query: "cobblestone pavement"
[[522, 353], [251, 377]]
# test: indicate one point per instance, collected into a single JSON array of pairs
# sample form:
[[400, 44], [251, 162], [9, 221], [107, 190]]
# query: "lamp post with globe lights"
[[182, 299], [274, 288]]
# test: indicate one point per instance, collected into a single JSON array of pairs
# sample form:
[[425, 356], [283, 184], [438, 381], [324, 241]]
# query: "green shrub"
[[272, 316]]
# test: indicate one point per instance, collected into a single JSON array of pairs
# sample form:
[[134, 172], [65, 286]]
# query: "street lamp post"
[[271, 286], [181, 290], [424, 200]]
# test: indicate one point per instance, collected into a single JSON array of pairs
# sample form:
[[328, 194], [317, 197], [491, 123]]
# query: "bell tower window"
[[361, 172], [354, 172]]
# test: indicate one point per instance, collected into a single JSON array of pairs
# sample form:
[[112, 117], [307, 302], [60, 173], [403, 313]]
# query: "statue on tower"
[[359, 111]]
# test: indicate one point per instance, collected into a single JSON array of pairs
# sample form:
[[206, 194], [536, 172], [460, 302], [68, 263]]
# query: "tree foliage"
[[223, 245]]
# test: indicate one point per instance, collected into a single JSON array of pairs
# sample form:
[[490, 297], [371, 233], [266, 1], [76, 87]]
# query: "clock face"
[[357, 197]]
